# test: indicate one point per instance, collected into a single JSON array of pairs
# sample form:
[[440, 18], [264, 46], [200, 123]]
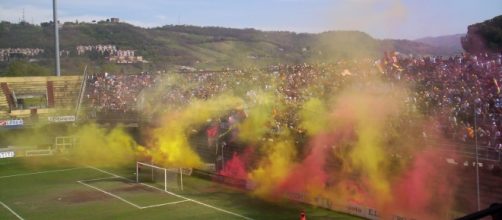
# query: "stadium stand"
[[490, 190], [4, 105], [7, 93], [23, 97], [455, 90], [66, 91]]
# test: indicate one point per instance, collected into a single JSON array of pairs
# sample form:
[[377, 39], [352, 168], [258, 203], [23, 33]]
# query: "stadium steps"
[[490, 187], [50, 94], [6, 95], [66, 92], [4, 105], [28, 88]]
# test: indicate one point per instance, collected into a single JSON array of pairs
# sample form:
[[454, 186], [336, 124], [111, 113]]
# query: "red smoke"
[[422, 184], [427, 186], [310, 175], [236, 167]]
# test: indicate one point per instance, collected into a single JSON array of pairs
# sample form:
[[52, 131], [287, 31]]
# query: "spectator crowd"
[[464, 91], [116, 93]]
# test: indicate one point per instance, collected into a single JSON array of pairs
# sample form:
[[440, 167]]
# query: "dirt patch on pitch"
[[133, 188], [82, 196]]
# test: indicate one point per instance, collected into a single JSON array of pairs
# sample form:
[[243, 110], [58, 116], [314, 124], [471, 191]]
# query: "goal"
[[65, 143], [171, 179]]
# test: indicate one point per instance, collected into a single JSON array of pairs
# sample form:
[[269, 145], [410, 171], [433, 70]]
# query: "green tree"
[[23, 68]]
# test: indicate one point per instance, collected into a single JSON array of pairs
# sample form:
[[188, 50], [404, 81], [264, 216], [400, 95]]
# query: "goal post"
[[64, 143], [169, 178]]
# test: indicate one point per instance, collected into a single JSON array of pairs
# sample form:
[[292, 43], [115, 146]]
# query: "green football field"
[[54, 188]]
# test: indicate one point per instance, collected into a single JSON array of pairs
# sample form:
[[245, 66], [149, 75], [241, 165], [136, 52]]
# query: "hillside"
[[450, 44], [484, 36], [201, 47]]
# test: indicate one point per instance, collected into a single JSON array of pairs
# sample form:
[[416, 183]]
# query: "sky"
[[396, 19]]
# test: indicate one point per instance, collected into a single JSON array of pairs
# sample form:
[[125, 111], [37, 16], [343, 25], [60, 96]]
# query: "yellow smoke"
[[313, 116], [169, 143], [370, 108], [275, 166], [99, 146], [389, 15], [367, 109], [260, 116]]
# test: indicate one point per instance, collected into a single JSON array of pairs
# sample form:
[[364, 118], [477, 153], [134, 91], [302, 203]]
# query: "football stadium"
[[105, 119]]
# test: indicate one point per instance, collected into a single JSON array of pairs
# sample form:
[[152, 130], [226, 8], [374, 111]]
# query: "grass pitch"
[[55, 188]]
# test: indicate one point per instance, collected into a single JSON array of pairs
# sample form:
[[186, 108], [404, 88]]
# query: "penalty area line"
[[110, 194], [12, 211], [98, 179], [103, 171], [200, 203], [176, 195], [127, 201], [163, 204]]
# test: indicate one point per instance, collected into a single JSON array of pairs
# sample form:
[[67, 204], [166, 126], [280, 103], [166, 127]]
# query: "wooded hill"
[[201, 47]]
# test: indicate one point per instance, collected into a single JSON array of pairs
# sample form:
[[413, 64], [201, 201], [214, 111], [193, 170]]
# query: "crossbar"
[[172, 170]]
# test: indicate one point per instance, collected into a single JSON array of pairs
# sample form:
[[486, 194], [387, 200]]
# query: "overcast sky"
[[409, 19]]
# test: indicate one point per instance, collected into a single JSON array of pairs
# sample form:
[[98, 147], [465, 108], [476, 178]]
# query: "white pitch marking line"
[[179, 196], [97, 179], [100, 170], [128, 202], [42, 172], [198, 202], [110, 194], [163, 204], [12, 211]]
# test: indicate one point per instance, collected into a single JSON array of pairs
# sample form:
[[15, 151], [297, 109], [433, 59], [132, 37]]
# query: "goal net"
[[170, 179]]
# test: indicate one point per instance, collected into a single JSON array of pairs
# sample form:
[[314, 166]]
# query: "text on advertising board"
[[68, 118], [7, 154], [14, 122]]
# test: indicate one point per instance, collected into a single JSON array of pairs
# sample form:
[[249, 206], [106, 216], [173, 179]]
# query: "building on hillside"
[[111, 53], [8, 53], [102, 49]]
